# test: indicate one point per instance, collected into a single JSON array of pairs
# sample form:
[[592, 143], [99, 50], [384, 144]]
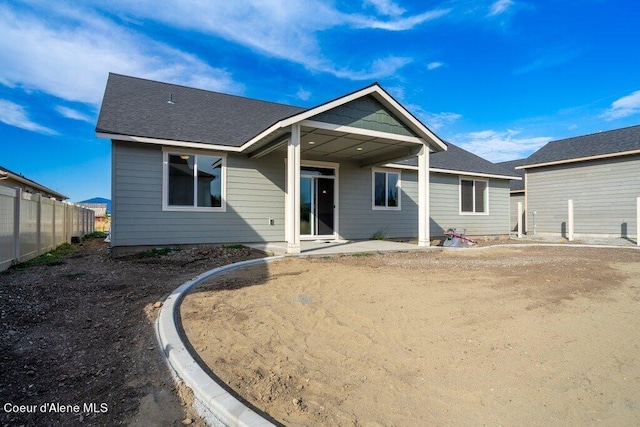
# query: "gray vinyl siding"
[[445, 207], [254, 193], [365, 113], [357, 218], [515, 198], [604, 196]]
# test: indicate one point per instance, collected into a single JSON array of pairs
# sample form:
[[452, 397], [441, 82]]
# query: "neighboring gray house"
[[516, 190], [599, 172], [192, 166]]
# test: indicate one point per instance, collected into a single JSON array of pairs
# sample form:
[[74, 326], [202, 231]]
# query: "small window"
[[386, 190], [474, 196], [194, 181]]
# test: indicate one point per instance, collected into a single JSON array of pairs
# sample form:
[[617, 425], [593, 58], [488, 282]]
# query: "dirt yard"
[[527, 336], [78, 330]]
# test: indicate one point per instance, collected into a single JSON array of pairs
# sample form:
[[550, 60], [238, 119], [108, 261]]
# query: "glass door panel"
[[324, 205], [306, 205]]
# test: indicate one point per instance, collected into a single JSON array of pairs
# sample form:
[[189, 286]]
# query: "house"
[[467, 192], [599, 173], [102, 209], [15, 180], [516, 190], [102, 220], [192, 166]]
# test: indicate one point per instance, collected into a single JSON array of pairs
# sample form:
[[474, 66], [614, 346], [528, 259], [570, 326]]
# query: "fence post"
[[570, 221], [16, 225], [39, 226], [519, 220]]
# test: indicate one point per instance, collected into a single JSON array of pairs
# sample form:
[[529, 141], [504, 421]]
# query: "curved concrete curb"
[[212, 402]]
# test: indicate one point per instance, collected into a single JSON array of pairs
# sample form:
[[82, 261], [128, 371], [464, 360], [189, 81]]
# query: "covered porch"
[[320, 160], [330, 147]]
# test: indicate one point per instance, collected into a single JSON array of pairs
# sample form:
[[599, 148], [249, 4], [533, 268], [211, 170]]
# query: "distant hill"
[[99, 200]]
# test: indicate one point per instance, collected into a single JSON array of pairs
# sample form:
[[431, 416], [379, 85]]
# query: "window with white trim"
[[386, 190], [474, 196], [194, 181]]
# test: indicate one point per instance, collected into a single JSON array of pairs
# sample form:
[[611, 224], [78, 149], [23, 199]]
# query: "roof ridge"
[[594, 133], [206, 90]]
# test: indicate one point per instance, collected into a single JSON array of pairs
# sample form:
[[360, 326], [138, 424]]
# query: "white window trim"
[[486, 204], [373, 189], [165, 181]]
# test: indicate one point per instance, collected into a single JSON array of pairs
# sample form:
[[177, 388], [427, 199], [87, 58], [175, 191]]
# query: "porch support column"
[[423, 197], [292, 214]]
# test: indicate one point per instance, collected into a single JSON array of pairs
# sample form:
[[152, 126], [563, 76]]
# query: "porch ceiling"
[[333, 145], [349, 146]]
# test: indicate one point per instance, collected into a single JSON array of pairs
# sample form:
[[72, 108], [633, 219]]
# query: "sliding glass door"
[[317, 202]]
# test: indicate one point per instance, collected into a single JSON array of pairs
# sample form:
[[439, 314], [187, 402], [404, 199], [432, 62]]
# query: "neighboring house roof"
[[459, 161], [149, 111], [6, 174], [612, 143], [516, 185]]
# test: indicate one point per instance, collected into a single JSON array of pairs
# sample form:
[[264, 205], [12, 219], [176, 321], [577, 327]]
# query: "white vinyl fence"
[[31, 225]]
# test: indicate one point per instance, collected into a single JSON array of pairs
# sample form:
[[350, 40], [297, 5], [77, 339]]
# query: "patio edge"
[[213, 403]]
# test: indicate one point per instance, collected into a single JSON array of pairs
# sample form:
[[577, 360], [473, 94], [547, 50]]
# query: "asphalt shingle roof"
[[458, 159], [139, 107], [597, 144], [511, 165], [31, 182]]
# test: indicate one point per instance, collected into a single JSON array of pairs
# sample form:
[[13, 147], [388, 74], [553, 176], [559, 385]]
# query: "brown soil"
[[81, 331], [526, 336]]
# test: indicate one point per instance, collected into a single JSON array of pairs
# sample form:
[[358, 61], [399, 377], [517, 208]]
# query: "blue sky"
[[500, 78]]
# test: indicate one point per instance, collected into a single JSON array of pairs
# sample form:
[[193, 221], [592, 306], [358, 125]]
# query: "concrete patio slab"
[[336, 247]]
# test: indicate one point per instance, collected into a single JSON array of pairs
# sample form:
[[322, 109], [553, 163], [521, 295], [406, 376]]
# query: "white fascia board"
[[168, 142], [580, 159], [308, 113], [360, 131], [382, 96], [415, 122], [454, 172]]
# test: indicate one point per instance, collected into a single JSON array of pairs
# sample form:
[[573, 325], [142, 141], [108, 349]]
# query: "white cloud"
[[499, 7], [382, 67], [281, 29], [399, 24], [434, 65], [623, 107], [303, 94], [436, 121], [70, 113], [499, 146], [13, 114], [550, 60], [385, 7], [69, 53]]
